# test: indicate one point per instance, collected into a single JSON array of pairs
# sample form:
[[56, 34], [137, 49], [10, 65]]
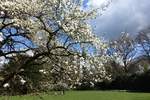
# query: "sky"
[[121, 16]]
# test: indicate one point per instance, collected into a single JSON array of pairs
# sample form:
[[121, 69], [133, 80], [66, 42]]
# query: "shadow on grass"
[[138, 91]]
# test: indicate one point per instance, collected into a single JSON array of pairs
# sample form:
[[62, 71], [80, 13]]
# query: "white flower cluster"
[[6, 85], [1, 36], [42, 71], [93, 64], [22, 81], [67, 14]]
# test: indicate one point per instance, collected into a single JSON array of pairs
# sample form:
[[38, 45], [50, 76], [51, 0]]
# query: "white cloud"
[[121, 15], [96, 3]]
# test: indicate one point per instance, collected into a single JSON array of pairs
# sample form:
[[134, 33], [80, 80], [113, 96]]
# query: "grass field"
[[86, 95]]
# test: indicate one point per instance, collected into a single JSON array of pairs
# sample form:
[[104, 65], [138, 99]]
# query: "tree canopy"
[[34, 32]]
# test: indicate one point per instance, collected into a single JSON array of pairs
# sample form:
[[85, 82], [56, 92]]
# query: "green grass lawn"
[[86, 95]]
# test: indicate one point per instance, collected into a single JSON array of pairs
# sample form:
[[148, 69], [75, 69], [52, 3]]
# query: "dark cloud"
[[123, 15]]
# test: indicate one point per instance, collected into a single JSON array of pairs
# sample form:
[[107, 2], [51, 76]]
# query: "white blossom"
[[42, 71], [76, 72], [6, 85], [2, 13], [92, 84], [1, 36], [30, 53], [22, 70], [23, 81]]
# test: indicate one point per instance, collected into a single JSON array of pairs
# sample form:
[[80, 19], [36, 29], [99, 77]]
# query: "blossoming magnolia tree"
[[45, 30]]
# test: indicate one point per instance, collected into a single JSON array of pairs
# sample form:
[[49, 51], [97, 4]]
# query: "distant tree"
[[123, 51], [143, 41]]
